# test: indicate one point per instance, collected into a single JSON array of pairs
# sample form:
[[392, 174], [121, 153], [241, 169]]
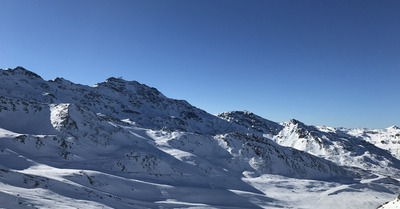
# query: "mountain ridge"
[[118, 132]]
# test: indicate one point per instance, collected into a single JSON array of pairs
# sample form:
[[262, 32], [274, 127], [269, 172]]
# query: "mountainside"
[[122, 144], [339, 146], [346, 147], [116, 98], [388, 139]]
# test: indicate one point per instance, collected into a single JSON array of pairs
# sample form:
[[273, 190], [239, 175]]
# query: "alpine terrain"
[[122, 144]]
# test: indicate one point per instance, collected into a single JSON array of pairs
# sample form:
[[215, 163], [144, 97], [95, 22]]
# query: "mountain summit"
[[122, 144]]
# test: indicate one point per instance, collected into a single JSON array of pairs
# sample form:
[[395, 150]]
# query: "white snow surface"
[[122, 144], [394, 204]]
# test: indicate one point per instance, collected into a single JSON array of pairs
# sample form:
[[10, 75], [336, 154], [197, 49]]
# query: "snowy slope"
[[121, 144], [101, 113], [372, 150], [388, 139], [252, 123], [339, 146], [116, 98], [395, 204]]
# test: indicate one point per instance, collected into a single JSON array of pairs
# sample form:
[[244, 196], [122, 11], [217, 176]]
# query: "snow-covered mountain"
[[373, 150], [339, 146], [388, 138], [122, 144]]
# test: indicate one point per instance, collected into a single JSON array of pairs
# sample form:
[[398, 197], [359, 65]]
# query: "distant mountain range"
[[122, 144]]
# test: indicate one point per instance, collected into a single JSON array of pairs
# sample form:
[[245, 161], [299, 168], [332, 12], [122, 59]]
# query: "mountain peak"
[[394, 128], [294, 122], [22, 71], [119, 84], [62, 81], [251, 121], [115, 80]]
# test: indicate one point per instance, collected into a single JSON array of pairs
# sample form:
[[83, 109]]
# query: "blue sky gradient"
[[333, 62]]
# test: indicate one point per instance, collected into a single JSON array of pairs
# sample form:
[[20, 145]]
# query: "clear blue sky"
[[331, 62]]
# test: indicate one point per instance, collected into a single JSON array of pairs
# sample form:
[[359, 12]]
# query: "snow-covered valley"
[[122, 144]]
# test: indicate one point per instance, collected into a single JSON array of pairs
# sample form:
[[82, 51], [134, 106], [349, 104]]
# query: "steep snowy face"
[[300, 136], [265, 156], [251, 122], [22, 84], [116, 98], [151, 109], [388, 138], [23, 116], [338, 146]]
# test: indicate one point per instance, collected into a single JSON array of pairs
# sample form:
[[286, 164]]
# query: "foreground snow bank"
[[395, 204]]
